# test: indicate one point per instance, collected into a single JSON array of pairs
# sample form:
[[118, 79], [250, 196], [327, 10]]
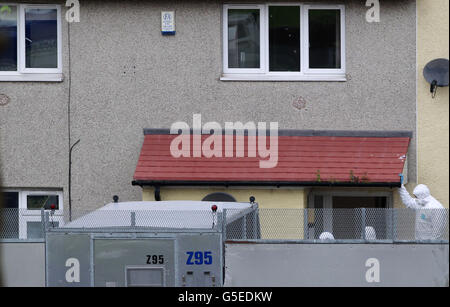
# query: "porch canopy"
[[305, 158]]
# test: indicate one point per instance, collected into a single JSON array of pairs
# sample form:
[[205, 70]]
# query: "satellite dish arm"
[[433, 88]]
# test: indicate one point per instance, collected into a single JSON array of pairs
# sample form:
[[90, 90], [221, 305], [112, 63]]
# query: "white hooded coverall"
[[431, 216]]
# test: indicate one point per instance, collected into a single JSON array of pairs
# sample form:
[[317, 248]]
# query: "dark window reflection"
[[243, 38], [284, 38], [36, 202], [325, 39], [41, 38], [11, 200], [8, 38]]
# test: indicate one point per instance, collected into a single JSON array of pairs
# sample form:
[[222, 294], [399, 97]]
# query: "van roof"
[[161, 214]]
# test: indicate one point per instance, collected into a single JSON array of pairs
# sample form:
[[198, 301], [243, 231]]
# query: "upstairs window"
[[324, 34], [284, 42], [284, 38], [244, 42], [30, 42]]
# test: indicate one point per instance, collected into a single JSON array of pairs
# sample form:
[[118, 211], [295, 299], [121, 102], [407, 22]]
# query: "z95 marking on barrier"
[[155, 259], [199, 257]]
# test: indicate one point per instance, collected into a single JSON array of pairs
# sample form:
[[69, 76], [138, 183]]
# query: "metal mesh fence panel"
[[9, 225], [155, 219], [378, 224], [22, 224], [421, 224], [370, 224], [281, 223], [242, 225], [405, 223]]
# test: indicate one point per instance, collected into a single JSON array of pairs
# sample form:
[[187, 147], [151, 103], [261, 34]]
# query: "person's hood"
[[421, 191], [326, 236]]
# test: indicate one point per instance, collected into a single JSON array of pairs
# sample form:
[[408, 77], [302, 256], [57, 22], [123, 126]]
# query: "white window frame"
[[33, 74], [26, 215], [263, 73], [305, 49], [262, 19], [266, 45]]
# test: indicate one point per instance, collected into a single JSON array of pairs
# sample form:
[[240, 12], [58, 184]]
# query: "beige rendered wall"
[[433, 114], [266, 198], [286, 223]]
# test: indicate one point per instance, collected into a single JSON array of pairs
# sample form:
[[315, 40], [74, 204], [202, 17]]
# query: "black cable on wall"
[[69, 100]]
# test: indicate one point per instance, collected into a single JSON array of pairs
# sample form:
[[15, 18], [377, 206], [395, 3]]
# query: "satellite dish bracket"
[[433, 88]]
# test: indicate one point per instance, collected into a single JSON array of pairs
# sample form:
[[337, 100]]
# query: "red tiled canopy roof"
[[304, 158]]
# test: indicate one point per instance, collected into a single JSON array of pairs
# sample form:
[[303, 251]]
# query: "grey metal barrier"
[[318, 225]]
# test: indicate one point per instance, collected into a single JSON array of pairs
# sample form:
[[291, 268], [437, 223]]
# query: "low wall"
[[22, 264], [356, 265], [283, 264]]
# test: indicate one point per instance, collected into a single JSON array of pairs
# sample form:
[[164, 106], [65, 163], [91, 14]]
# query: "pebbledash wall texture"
[[123, 75]]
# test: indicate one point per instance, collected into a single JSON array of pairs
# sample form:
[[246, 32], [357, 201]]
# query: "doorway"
[[347, 214]]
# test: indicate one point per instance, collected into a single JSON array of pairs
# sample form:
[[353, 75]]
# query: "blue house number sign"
[[168, 23], [199, 257]]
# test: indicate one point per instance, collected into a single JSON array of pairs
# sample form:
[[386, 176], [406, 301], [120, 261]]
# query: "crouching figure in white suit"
[[431, 216]]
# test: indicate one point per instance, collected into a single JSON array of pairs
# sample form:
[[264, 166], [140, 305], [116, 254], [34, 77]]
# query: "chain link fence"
[[146, 219], [28, 224], [369, 224], [22, 224]]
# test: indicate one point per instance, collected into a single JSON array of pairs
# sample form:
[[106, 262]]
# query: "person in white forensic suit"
[[326, 236], [431, 216]]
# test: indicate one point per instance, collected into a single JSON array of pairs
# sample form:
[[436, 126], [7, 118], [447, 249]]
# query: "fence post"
[[133, 219], [394, 224], [46, 221], [43, 221], [244, 226], [217, 221], [390, 221], [363, 223], [224, 224], [305, 224], [255, 225]]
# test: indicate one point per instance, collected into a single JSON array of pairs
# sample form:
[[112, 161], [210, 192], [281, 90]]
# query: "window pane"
[[284, 38], [243, 38], [8, 38], [325, 39], [36, 202], [11, 199], [41, 38]]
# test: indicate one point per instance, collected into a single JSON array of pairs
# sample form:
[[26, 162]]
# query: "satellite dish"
[[436, 73]]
